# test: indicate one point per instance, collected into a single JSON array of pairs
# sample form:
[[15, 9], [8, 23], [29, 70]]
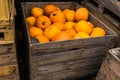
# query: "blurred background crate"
[[110, 69], [8, 58], [7, 19]]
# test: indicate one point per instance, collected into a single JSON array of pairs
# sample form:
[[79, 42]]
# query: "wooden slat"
[[74, 44], [67, 74], [68, 56], [7, 59], [4, 13], [7, 70], [7, 48], [110, 69], [10, 77], [50, 68]]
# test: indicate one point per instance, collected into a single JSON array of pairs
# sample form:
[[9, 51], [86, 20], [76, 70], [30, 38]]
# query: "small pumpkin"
[[57, 16], [43, 22]]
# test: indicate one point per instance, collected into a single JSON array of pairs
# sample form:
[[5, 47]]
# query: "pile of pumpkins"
[[51, 23]]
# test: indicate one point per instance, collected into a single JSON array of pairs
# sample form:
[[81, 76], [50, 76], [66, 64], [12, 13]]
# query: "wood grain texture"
[[9, 69], [68, 56], [7, 59], [110, 69], [7, 48], [7, 36], [50, 68], [67, 74], [74, 44], [10, 77]]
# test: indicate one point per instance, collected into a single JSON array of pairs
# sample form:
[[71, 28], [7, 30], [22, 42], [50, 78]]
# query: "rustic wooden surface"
[[9, 69], [110, 69], [68, 56], [50, 68], [66, 74], [10, 77], [7, 59], [4, 13], [113, 6], [7, 48], [6, 36]]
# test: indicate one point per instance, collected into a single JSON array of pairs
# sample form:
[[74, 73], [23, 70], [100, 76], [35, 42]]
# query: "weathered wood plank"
[[10, 77], [110, 69], [67, 74], [50, 68], [106, 73], [9, 69], [7, 59], [68, 56], [75, 44], [7, 48]]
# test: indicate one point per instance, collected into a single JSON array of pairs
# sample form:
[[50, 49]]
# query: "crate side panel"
[[79, 72], [67, 56], [50, 68]]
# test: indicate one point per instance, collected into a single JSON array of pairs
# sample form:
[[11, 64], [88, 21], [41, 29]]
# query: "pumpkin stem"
[[43, 23], [54, 14]]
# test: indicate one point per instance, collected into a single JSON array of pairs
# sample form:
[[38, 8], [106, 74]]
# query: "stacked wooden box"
[[110, 69], [66, 59], [8, 59]]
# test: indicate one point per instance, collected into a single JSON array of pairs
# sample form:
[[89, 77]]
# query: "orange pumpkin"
[[63, 35], [51, 31], [70, 15], [43, 22], [36, 11], [81, 14], [48, 9], [57, 16]]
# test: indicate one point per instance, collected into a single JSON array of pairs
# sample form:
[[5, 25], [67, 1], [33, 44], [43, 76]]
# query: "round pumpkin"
[[57, 16], [43, 22]]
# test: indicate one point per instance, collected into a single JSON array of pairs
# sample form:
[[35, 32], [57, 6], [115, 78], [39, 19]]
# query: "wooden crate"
[[110, 69], [75, 63], [9, 72], [58, 60], [7, 12]]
